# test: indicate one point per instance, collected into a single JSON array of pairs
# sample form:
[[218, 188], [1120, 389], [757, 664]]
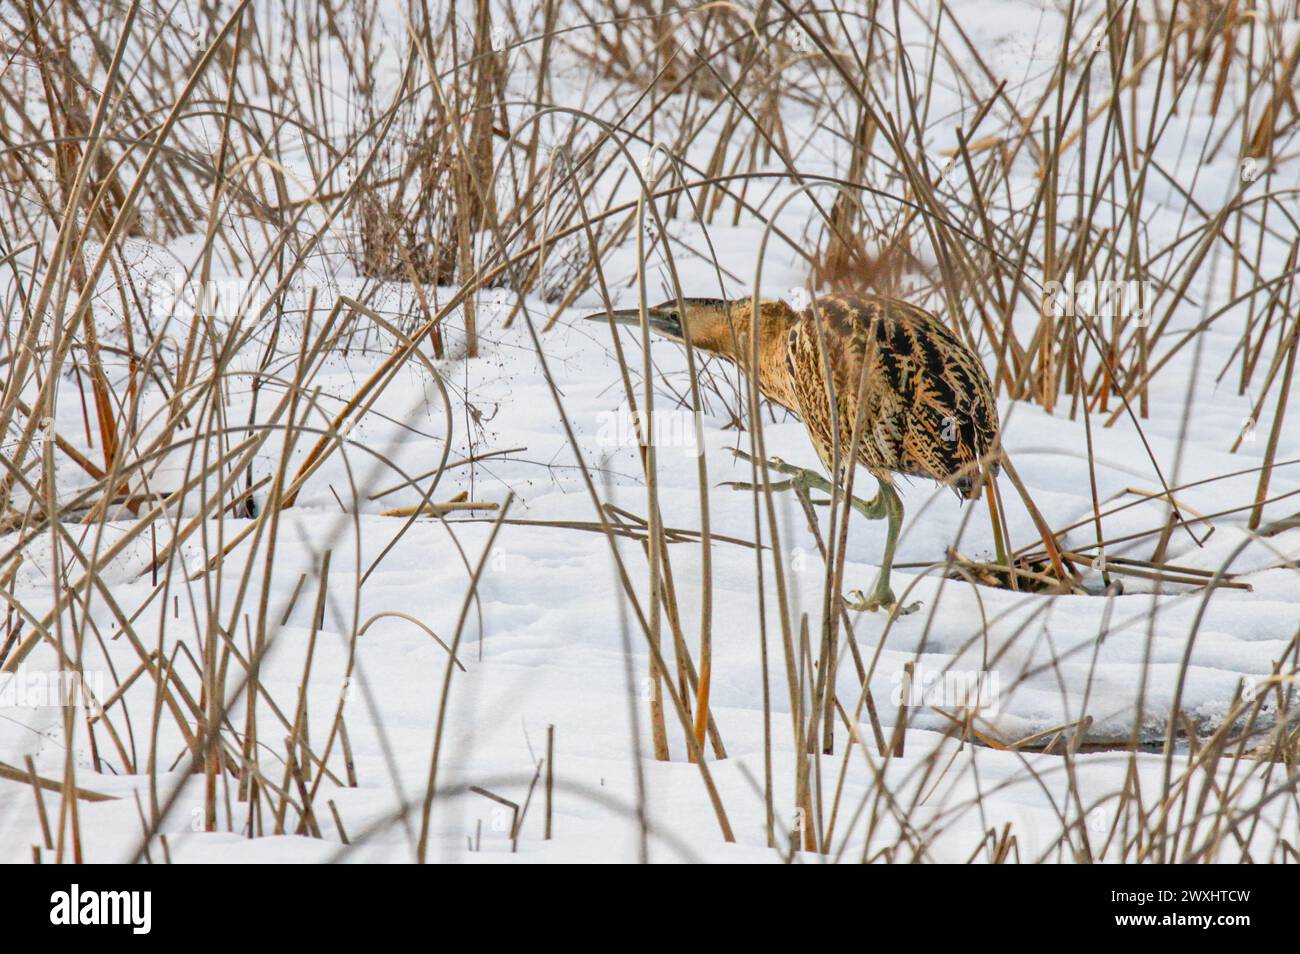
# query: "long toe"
[[859, 602]]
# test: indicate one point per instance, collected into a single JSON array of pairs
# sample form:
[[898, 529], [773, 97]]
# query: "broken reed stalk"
[[1284, 392], [550, 778]]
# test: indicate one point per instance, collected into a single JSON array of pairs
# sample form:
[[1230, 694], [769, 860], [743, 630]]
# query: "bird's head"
[[717, 325]]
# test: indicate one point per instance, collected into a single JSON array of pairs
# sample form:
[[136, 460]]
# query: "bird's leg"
[[885, 505], [882, 596], [874, 509], [802, 481]]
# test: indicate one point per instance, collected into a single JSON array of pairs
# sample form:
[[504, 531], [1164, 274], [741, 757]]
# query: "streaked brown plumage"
[[926, 406], [929, 407]]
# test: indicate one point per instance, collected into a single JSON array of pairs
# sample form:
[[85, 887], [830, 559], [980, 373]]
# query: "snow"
[[547, 641]]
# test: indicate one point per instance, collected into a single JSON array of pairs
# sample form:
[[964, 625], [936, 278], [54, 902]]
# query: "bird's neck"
[[774, 320]]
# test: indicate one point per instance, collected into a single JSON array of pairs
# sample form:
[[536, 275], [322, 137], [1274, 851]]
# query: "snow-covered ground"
[[547, 639]]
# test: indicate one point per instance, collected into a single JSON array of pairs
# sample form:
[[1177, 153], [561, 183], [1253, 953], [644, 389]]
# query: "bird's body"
[[926, 406], [916, 397]]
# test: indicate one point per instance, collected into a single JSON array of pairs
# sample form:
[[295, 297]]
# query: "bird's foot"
[[879, 599], [801, 480], [777, 487]]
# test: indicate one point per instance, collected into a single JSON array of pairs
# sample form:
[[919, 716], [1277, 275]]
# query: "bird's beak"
[[623, 316], [662, 321]]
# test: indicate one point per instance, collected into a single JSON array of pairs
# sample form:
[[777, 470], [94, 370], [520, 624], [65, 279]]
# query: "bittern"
[[917, 395]]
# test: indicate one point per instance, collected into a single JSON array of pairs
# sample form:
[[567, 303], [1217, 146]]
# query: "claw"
[[860, 603], [736, 485]]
